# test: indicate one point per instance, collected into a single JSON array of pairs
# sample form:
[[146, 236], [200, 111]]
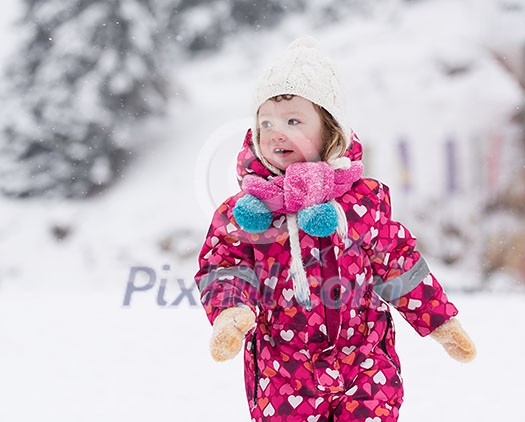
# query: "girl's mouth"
[[282, 151]]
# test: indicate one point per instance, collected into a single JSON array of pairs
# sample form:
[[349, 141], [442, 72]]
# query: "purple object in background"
[[406, 181], [451, 163]]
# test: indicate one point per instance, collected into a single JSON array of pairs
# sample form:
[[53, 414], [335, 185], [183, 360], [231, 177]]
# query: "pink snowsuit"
[[338, 361]]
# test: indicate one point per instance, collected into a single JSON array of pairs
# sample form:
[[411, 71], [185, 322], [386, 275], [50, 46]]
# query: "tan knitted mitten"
[[229, 330], [455, 340]]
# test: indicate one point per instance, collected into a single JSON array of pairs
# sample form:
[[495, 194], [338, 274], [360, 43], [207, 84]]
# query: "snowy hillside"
[[71, 351]]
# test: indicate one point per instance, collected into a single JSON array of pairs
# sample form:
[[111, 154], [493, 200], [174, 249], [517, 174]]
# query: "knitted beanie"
[[301, 70]]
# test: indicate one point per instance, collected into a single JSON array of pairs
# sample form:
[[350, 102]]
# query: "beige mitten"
[[455, 340], [229, 330]]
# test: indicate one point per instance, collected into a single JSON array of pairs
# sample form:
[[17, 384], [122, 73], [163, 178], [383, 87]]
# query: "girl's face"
[[290, 131]]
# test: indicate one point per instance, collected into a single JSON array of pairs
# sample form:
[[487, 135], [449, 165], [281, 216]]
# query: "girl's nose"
[[277, 135]]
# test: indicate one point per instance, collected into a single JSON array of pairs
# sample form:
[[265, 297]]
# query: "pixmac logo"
[[165, 299]]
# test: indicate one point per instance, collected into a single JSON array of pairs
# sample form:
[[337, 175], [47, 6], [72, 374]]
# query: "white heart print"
[[360, 278], [271, 282], [315, 254], [288, 294], [413, 304], [334, 373], [269, 410], [380, 378], [347, 350], [287, 335], [263, 382], [351, 391], [360, 210], [269, 340], [279, 222], [367, 364], [349, 333], [374, 232], [295, 400]]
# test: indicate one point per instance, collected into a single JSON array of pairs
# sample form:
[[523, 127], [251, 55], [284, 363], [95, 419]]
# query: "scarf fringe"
[[301, 286], [342, 223]]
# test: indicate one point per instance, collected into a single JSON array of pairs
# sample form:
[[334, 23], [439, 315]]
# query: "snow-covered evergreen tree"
[[85, 72], [199, 25]]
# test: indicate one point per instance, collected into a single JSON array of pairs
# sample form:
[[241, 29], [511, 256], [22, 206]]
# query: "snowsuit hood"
[[248, 163]]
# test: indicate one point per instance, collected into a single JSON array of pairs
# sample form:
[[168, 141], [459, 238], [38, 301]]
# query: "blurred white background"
[[120, 126]]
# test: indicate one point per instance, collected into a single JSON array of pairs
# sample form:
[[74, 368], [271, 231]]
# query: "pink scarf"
[[304, 184]]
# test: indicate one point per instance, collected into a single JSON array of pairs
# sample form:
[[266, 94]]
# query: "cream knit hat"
[[302, 70]]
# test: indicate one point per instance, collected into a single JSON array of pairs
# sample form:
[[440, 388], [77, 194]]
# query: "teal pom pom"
[[318, 220], [252, 214]]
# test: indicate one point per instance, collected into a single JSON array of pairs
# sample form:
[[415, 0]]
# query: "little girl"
[[306, 261]]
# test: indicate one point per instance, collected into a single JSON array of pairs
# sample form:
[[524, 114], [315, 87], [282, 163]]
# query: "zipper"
[[383, 341], [256, 369], [337, 297], [325, 247]]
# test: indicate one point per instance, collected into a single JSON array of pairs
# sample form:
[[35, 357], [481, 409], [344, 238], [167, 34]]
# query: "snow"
[[8, 16], [71, 350], [78, 354]]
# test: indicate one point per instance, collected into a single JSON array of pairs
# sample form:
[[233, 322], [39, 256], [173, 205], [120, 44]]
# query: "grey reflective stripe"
[[244, 273], [395, 288]]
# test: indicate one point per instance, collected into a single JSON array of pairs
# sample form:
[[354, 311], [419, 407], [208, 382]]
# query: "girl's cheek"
[[305, 145]]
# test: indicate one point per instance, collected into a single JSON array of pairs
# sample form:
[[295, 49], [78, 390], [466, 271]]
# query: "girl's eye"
[[293, 122], [266, 124]]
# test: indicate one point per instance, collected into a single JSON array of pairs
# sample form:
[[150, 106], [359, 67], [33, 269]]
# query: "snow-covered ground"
[[79, 355], [70, 350]]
